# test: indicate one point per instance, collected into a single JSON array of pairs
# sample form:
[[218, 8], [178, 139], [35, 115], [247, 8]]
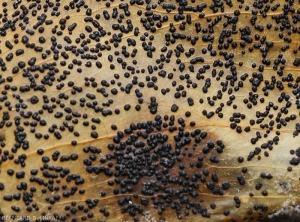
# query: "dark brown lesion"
[[2, 137], [291, 215]]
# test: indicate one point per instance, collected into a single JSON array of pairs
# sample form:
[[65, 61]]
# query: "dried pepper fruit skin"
[[149, 110]]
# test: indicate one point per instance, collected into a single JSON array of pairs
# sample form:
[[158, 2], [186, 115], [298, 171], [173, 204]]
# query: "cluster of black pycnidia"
[[143, 162]]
